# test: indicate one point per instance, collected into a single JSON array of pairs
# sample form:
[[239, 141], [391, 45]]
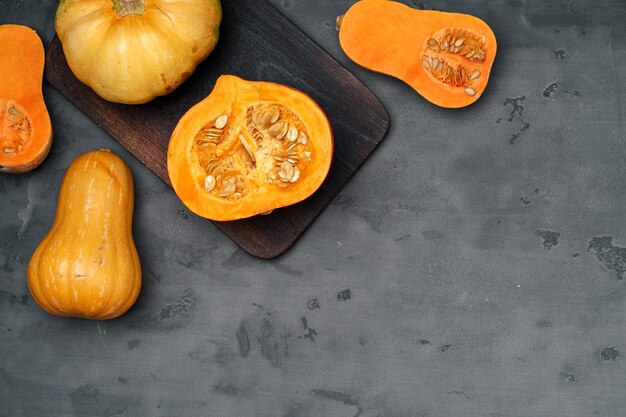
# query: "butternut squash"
[[445, 57], [25, 128], [87, 265]]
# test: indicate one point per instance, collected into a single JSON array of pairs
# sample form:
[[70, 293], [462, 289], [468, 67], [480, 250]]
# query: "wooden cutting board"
[[257, 42]]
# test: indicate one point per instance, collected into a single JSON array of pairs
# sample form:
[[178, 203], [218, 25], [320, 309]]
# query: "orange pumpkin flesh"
[[445, 57], [25, 129], [87, 265], [249, 148]]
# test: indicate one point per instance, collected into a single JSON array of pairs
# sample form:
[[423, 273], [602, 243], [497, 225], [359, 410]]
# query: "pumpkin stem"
[[129, 7], [338, 22]]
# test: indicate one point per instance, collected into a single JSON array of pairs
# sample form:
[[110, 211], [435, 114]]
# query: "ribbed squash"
[[249, 148], [87, 265], [131, 51], [25, 129], [445, 57]]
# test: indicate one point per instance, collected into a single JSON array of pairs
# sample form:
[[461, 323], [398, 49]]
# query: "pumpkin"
[[445, 57], [249, 148], [87, 265], [131, 51], [25, 129]]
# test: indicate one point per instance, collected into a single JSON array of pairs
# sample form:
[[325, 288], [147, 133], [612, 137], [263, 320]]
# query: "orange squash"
[[131, 51], [87, 265], [249, 148], [25, 128], [445, 57]]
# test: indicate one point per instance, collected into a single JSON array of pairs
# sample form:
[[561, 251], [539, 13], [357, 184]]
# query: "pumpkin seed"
[[287, 170], [257, 117], [435, 62], [296, 175], [13, 111], [475, 75], [9, 150], [282, 177], [432, 42], [459, 42], [425, 62], [221, 121], [265, 120], [292, 147], [292, 160], [470, 92], [214, 133], [302, 138], [292, 134], [276, 129], [209, 183], [284, 131], [267, 213], [275, 115], [247, 148], [228, 187]]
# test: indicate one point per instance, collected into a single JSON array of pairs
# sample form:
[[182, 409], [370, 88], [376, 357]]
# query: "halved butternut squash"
[[25, 128], [249, 148], [445, 57]]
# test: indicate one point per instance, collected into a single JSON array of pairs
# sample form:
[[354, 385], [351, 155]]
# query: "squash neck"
[[129, 7]]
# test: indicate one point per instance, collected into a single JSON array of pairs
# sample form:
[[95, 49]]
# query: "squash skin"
[[87, 265], [21, 74], [134, 58], [390, 38], [231, 95]]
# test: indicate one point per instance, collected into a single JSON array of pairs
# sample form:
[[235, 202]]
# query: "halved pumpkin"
[[249, 148], [25, 128], [445, 57]]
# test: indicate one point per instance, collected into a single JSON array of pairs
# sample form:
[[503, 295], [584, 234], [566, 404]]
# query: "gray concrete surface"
[[484, 251]]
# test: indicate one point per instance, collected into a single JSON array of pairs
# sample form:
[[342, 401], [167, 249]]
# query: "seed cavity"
[[459, 41], [274, 139], [15, 129]]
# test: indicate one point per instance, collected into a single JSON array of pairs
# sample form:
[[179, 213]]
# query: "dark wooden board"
[[257, 42]]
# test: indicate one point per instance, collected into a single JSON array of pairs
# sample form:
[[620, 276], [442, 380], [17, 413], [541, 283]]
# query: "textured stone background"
[[473, 267]]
